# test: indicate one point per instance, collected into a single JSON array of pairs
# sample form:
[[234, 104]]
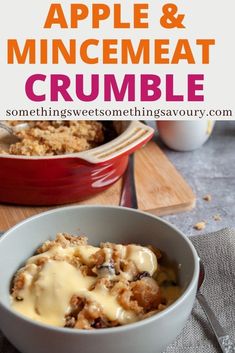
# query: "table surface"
[[208, 170]]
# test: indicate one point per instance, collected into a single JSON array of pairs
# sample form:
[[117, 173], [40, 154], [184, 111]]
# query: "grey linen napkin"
[[217, 251]]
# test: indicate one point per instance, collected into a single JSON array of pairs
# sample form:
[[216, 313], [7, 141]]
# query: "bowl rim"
[[126, 327]]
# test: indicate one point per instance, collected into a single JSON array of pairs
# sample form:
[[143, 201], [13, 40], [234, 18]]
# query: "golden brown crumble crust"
[[47, 138]]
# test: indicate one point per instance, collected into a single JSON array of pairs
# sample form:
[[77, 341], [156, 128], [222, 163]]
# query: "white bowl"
[[185, 135], [99, 223]]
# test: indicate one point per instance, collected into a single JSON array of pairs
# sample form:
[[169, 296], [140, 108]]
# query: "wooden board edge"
[[174, 209]]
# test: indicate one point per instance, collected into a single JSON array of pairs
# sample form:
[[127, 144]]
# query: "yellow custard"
[[73, 284]]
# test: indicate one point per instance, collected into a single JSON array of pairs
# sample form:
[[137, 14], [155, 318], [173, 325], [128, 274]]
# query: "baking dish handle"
[[135, 136]]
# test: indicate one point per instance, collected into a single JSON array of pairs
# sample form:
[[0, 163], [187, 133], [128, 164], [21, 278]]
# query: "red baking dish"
[[72, 177]]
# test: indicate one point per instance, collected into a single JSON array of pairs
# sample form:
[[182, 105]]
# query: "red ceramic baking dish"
[[71, 177]]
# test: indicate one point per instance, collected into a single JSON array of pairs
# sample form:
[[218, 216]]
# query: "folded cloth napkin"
[[217, 251]]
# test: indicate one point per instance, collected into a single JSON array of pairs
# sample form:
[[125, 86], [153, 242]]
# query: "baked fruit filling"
[[69, 283]]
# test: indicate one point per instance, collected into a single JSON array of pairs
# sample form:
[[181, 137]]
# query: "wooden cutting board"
[[161, 190]]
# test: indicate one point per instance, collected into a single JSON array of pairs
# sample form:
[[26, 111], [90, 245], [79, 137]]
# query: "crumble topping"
[[69, 283], [200, 225], [47, 138]]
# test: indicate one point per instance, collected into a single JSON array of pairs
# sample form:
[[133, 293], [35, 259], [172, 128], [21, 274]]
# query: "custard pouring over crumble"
[[69, 283]]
